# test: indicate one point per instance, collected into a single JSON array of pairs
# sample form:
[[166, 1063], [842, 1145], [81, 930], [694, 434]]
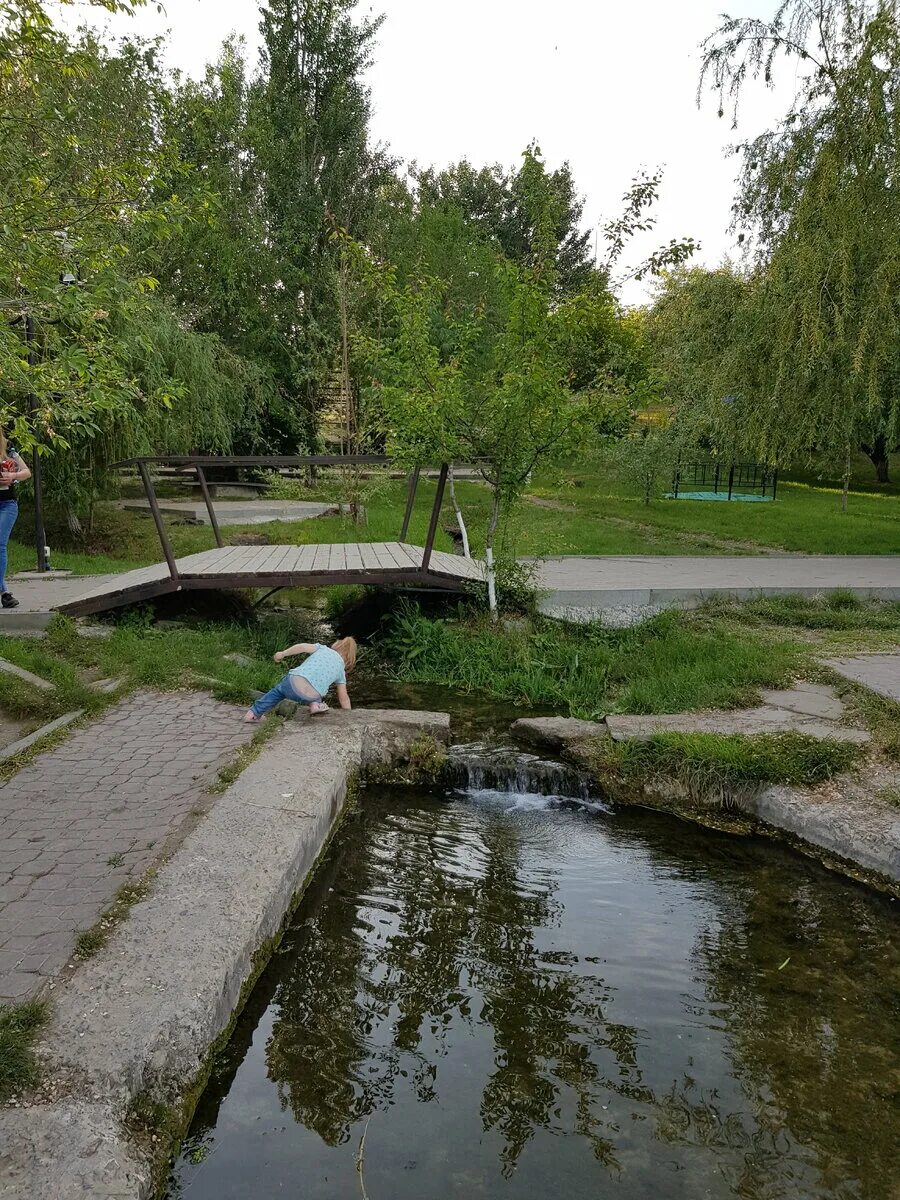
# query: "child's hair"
[[346, 648], [2, 443]]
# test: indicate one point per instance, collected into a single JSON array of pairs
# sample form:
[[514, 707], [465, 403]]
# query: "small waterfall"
[[504, 773]]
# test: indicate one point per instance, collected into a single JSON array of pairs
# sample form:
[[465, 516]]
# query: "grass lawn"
[[805, 517], [586, 508]]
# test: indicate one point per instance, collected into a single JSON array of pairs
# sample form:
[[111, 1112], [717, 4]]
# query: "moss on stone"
[[423, 763]]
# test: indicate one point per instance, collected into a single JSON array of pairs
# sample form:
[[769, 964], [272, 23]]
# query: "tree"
[[820, 210], [93, 362], [309, 121], [217, 263], [696, 336], [496, 201], [469, 367]]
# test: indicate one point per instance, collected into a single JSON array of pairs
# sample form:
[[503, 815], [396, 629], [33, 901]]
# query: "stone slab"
[[26, 743], [807, 699], [845, 819], [141, 1015], [554, 733], [743, 721], [878, 672], [34, 680]]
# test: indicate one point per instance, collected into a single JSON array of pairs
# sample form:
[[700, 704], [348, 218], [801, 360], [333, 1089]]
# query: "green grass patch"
[[715, 764], [838, 610], [668, 664], [244, 757], [89, 941], [19, 1026], [878, 714]]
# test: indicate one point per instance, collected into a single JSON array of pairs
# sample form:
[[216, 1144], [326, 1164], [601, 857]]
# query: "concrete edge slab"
[[26, 743], [34, 680]]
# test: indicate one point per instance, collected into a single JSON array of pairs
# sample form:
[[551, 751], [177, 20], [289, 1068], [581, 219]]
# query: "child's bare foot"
[[251, 718], [318, 706]]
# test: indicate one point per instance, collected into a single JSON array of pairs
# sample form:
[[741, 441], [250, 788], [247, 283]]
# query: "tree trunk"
[[489, 555], [459, 517], [878, 453], [846, 490]]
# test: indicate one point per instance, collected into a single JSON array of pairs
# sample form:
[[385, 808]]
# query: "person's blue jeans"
[[284, 690], [8, 513]]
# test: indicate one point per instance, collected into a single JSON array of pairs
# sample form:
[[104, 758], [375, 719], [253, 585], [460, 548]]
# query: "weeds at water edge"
[[19, 1026]]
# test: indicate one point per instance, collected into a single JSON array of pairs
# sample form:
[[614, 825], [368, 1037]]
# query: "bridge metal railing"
[[200, 462]]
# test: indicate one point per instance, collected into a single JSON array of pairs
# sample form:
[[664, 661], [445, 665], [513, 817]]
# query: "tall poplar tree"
[[311, 142]]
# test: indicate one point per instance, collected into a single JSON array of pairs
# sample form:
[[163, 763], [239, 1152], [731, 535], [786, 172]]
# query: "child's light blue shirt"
[[323, 668]]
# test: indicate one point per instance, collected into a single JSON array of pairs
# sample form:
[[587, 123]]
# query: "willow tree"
[[94, 363], [820, 208]]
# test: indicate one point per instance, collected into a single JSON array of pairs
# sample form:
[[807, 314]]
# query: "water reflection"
[[530, 1003]]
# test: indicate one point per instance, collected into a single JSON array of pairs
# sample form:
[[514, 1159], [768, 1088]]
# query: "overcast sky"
[[610, 86]]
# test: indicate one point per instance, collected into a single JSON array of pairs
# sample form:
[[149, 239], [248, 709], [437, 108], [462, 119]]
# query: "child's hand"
[[278, 655]]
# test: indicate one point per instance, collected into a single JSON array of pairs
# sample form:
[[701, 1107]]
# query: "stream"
[[509, 988]]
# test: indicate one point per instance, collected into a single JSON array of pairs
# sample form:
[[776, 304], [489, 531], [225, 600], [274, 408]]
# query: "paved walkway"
[[39, 597], [626, 589], [94, 812], [238, 512], [878, 672]]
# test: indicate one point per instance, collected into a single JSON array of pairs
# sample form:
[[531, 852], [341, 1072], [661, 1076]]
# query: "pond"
[[511, 996]]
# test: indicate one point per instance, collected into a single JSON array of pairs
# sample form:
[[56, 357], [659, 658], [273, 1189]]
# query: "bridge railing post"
[[435, 515], [412, 484], [157, 518], [213, 520]]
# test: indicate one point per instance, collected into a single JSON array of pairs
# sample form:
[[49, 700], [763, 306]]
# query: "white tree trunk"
[[459, 517], [489, 555]]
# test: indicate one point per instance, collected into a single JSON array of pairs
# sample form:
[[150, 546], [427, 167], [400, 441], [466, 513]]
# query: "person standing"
[[12, 472]]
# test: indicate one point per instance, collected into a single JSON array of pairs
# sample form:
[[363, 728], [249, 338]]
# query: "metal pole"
[[730, 480], [435, 516], [157, 517], [40, 535], [201, 479], [412, 484], [716, 481]]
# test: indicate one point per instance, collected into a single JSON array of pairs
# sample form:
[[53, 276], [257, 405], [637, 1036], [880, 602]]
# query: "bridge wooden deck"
[[394, 564]]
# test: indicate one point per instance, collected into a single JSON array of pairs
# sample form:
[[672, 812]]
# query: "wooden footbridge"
[[386, 564]]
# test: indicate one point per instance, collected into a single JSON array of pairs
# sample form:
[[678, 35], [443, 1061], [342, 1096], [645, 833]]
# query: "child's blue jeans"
[[284, 690]]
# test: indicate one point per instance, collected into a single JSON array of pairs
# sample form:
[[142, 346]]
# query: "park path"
[[94, 812], [634, 586]]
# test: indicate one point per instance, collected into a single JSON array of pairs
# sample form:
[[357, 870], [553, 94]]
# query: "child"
[[309, 683]]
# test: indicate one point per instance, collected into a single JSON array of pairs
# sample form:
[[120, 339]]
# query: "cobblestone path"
[[83, 818]]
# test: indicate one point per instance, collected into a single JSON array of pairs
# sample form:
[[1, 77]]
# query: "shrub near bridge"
[[668, 664]]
